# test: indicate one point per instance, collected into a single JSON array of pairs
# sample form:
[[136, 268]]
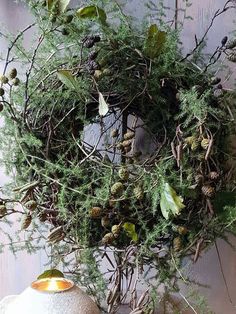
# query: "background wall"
[[16, 274]]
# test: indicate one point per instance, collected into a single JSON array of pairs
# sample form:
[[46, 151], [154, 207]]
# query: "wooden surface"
[[16, 274]]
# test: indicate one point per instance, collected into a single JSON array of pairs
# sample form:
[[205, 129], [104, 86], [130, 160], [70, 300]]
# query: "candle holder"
[[50, 296]]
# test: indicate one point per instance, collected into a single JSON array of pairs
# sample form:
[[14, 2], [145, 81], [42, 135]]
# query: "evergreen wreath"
[[91, 200]]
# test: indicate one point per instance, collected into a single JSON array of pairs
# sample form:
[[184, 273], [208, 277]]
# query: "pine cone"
[[232, 57], [199, 178], [177, 244], [16, 81], [129, 135], [205, 143], [208, 190], [12, 74], [1, 107], [56, 235], [26, 221], [116, 230], [42, 216], [93, 55], [124, 174], [105, 222], [182, 230], [95, 212], [117, 188], [3, 210], [4, 79], [126, 143], [215, 80], [31, 205], [108, 238], [2, 91], [89, 42], [115, 133], [139, 193], [224, 40], [213, 175]]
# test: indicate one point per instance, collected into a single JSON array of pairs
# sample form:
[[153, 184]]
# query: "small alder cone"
[[139, 193], [116, 230], [108, 238], [105, 222], [3, 210], [126, 143], [195, 144], [95, 212], [177, 244], [4, 79], [56, 235], [205, 143], [114, 133], [12, 74], [42, 216], [182, 230], [213, 175], [129, 135], [31, 205], [208, 190], [199, 178], [26, 221], [123, 174], [117, 188], [16, 81], [2, 91]]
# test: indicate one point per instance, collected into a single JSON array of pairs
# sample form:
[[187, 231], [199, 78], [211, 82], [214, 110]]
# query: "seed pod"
[[97, 74], [208, 190], [123, 174], [107, 72], [42, 216], [231, 44], [12, 74], [56, 235], [205, 143], [65, 31], [120, 146], [213, 175], [195, 145], [68, 19], [95, 212], [2, 91], [177, 244], [16, 81], [129, 135], [26, 221], [4, 79], [31, 205], [127, 143], [93, 55], [105, 222], [138, 193], [3, 210], [114, 133], [199, 179], [232, 57], [116, 230], [117, 189], [182, 230], [108, 238], [215, 80], [224, 40], [1, 106]]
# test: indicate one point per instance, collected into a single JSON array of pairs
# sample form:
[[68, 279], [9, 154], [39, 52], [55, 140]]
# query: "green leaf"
[[59, 6], [50, 273], [171, 203], [92, 11], [103, 106], [67, 78], [155, 41], [130, 230]]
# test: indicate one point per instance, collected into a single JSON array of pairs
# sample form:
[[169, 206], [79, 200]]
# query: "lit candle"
[[52, 285]]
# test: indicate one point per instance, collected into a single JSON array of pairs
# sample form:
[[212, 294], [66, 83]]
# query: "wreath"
[[89, 190]]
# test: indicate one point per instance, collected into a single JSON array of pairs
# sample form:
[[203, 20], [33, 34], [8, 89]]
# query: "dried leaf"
[[171, 203], [92, 11], [155, 41], [50, 273], [103, 106]]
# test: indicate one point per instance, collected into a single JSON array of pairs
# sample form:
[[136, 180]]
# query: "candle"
[[52, 285]]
